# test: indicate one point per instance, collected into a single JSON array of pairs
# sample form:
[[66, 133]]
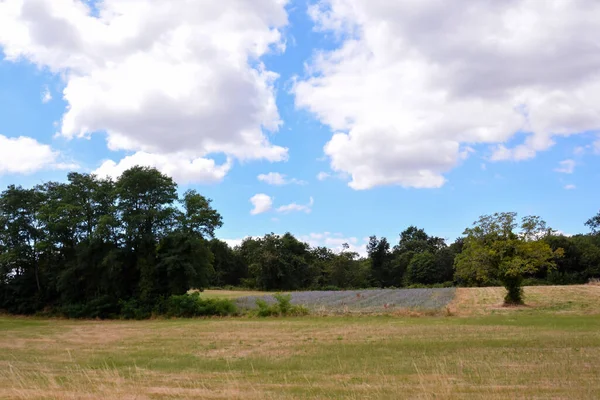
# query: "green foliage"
[[193, 305], [594, 223], [423, 269], [134, 309], [493, 251], [278, 262], [81, 247], [98, 248], [283, 307]]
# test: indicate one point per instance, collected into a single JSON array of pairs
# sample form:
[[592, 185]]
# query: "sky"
[[331, 119]]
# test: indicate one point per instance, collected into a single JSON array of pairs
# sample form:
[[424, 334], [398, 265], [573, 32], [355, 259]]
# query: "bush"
[[103, 307], [331, 288], [133, 309], [564, 278], [192, 305], [283, 307]]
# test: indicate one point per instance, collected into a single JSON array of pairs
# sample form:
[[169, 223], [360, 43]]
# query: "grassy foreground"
[[545, 352]]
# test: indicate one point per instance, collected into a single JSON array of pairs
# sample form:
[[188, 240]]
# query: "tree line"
[[99, 247]]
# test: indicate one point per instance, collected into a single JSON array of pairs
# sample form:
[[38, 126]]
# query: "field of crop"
[[549, 349], [363, 301]]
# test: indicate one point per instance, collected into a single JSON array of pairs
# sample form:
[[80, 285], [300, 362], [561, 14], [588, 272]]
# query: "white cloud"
[[415, 82], [236, 242], [579, 150], [164, 79], [558, 232], [570, 187], [294, 207], [46, 95], [566, 167], [275, 178], [335, 242], [597, 147], [323, 175], [25, 155], [181, 168], [262, 203]]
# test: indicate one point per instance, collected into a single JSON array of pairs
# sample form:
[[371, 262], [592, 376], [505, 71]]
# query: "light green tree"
[[494, 252]]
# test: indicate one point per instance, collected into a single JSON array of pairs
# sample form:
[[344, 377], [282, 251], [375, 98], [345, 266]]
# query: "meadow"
[[473, 349]]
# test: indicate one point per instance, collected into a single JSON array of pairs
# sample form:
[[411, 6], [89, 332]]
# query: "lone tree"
[[493, 251]]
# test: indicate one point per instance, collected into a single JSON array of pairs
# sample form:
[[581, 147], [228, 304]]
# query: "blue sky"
[[404, 128]]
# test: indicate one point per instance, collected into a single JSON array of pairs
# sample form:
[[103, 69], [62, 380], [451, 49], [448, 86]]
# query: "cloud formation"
[[24, 155], [295, 207], [566, 167], [261, 203], [170, 82], [416, 81], [277, 179], [46, 95]]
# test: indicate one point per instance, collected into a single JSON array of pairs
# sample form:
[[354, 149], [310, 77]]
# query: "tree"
[[229, 267], [492, 251], [279, 262], [594, 223], [380, 256], [199, 217], [23, 287], [414, 241], [423, 269]]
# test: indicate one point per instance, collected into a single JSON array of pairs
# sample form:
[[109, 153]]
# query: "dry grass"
[[547, 350], [384, 357], [574, 299]]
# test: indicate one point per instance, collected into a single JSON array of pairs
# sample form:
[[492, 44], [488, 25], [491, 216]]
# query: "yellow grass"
[[548, 350], [574, 299]]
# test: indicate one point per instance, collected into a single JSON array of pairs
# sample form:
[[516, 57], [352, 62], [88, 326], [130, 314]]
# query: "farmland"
[[549, 349], [363, 301]]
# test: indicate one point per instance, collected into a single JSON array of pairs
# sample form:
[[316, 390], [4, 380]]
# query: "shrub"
[[283, 307], [192, 305], [331, 288], [103, 307], [74, 311], [133, 309]]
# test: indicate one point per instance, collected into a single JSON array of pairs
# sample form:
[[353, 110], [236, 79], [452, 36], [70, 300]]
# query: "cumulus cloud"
[[164, 80], [25, 155], [277, 179], [294, 207], [415, 82], [262, 203], [570, 187], [181, 168], [566, 167]]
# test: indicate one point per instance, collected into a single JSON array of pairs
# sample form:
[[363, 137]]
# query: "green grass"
[[534, 354]]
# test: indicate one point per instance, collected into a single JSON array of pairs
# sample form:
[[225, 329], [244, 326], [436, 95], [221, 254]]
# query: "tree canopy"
[[91, 247], [493, 251]]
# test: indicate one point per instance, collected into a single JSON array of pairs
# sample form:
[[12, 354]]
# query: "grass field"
[[550, 349]]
